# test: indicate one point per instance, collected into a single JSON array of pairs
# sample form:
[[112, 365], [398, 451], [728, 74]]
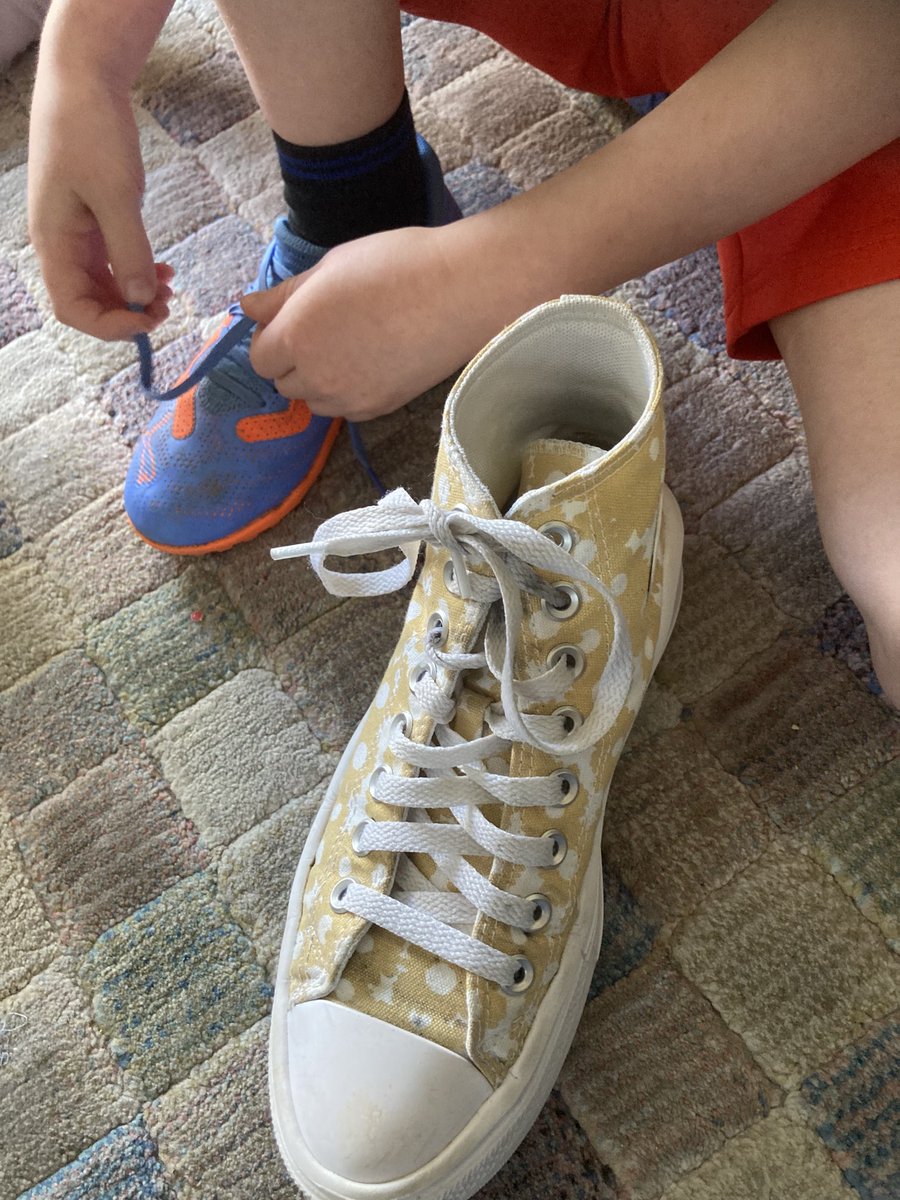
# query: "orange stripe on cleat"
[[185, 415], [268, 426], [147, 461]]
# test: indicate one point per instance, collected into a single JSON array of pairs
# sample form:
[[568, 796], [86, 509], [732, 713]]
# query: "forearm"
[[109, 40], [807, 90]]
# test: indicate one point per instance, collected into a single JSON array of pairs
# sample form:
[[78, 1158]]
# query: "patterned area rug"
[[167, 729]]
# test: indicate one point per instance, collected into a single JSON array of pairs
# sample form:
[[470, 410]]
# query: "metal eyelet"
[[565, 611], [560, 846], [561, 535], [571, 718], [356, 839], [418, 672], [373, 779], [449, 575], [541, 912], [574, 659], [569, 786], [399, 726], [437, 630], [339, 894], [522, 977]]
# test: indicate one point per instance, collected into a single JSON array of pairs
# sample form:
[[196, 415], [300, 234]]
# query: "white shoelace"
[[450, 771]]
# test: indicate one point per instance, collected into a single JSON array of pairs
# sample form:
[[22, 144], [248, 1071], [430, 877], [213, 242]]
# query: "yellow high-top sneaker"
[[446, 913]]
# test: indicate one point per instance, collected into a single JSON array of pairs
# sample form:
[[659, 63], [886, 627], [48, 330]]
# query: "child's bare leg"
[[322, 72], [843, 355]]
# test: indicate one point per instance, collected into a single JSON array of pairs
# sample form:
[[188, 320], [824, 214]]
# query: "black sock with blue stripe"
[[372, 183]]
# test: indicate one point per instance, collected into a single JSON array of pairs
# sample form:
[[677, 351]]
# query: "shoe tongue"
[[545, 461], [548, 460], [293, 253]]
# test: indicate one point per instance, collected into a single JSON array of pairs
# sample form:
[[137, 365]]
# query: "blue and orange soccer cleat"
[[226, 456]]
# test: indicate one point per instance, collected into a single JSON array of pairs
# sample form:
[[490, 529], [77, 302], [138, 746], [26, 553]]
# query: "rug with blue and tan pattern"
[[167, 729]]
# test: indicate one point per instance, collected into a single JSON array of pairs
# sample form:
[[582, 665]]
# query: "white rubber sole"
[[489, 1139]]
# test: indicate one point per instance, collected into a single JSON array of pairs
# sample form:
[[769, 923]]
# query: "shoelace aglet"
[[296, 551], [339, 546], [347, 546]]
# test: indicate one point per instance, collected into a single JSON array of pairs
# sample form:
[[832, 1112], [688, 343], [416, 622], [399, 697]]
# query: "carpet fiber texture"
[[167, 729]]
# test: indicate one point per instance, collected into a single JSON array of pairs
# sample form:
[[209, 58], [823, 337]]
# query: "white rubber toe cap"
[[373, 1102]]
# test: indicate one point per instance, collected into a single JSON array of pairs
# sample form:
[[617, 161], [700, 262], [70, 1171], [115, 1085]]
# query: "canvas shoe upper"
[[446, 913], [230, 456]]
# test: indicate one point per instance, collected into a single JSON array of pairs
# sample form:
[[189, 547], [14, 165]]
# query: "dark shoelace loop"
[[234, 334]]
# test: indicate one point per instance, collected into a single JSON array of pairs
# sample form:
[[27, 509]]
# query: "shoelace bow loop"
[[508, 548], [231, 338]]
